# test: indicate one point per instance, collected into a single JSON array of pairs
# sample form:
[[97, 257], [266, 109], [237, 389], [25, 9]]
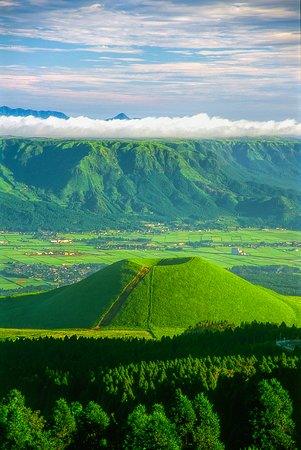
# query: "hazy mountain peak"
[[20, 112], [120, 116]]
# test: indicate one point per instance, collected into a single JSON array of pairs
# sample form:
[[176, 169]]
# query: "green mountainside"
[[79, 184], [151, 295]]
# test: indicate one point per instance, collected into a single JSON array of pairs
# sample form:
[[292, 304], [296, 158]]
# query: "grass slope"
[[173, 293], [182, 291], [75, 306]]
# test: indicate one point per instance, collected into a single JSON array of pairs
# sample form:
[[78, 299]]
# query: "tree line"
[[185, 424], [132, 384]]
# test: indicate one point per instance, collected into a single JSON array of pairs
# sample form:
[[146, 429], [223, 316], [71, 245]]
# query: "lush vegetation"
[[78, 305], [180, 292], [80, 185], [150, 295], [215, 386], [32, 262], [159, 352]]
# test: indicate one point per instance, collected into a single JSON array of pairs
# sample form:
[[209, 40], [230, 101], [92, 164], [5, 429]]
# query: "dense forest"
[[80, 184], [215, 386]]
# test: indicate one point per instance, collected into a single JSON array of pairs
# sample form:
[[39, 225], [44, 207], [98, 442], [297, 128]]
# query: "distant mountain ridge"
[[120, 116], [20, 112], [67, 184]]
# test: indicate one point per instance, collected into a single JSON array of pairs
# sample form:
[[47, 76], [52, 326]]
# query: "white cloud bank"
[[198, 126]]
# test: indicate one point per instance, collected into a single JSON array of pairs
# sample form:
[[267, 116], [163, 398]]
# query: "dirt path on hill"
[[120, 300], [150, 299]]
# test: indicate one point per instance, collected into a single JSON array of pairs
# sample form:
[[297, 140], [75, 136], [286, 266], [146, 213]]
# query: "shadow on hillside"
[[173, 261]]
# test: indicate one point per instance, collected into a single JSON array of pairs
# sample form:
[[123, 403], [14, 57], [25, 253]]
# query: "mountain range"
[[63, 184], [20, 112]]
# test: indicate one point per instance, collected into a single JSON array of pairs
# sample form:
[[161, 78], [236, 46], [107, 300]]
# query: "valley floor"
[[31, 262]]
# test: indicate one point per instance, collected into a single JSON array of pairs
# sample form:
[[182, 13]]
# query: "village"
[[58, 275], [41, 259]]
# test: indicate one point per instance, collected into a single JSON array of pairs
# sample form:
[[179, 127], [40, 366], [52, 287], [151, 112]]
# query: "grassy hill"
[[79, 184], [151, 295]]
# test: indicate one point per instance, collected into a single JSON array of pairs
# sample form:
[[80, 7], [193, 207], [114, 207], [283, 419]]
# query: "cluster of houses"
[[52, 253], [61, 241], [238, 251]]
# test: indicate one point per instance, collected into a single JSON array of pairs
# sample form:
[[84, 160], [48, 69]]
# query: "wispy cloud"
[[185, 52], [8, 3], [198, 126], [174, 24]]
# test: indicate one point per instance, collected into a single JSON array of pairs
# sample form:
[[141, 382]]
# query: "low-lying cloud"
[[198, 126]]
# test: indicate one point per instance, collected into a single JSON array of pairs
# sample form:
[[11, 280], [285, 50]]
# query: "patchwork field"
[[262, 247]]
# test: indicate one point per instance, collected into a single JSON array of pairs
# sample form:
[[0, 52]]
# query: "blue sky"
[[151, 57]]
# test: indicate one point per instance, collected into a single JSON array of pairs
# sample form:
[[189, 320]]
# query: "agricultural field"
[[28, 333], [262, 247]]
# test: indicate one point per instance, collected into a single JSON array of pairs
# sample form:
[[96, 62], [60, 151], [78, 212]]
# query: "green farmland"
[[263, 247], [28, 333]]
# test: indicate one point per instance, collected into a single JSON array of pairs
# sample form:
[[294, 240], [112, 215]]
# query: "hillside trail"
[[120, 300], [150, 301]]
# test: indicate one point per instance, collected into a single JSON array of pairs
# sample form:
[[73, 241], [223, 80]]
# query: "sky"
[[238, 60]]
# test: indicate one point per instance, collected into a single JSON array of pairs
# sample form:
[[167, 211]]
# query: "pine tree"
[[207, 430], [20, 427], [152, 431], [93, 423], [184, 417], [272, 419], [64, 424]]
